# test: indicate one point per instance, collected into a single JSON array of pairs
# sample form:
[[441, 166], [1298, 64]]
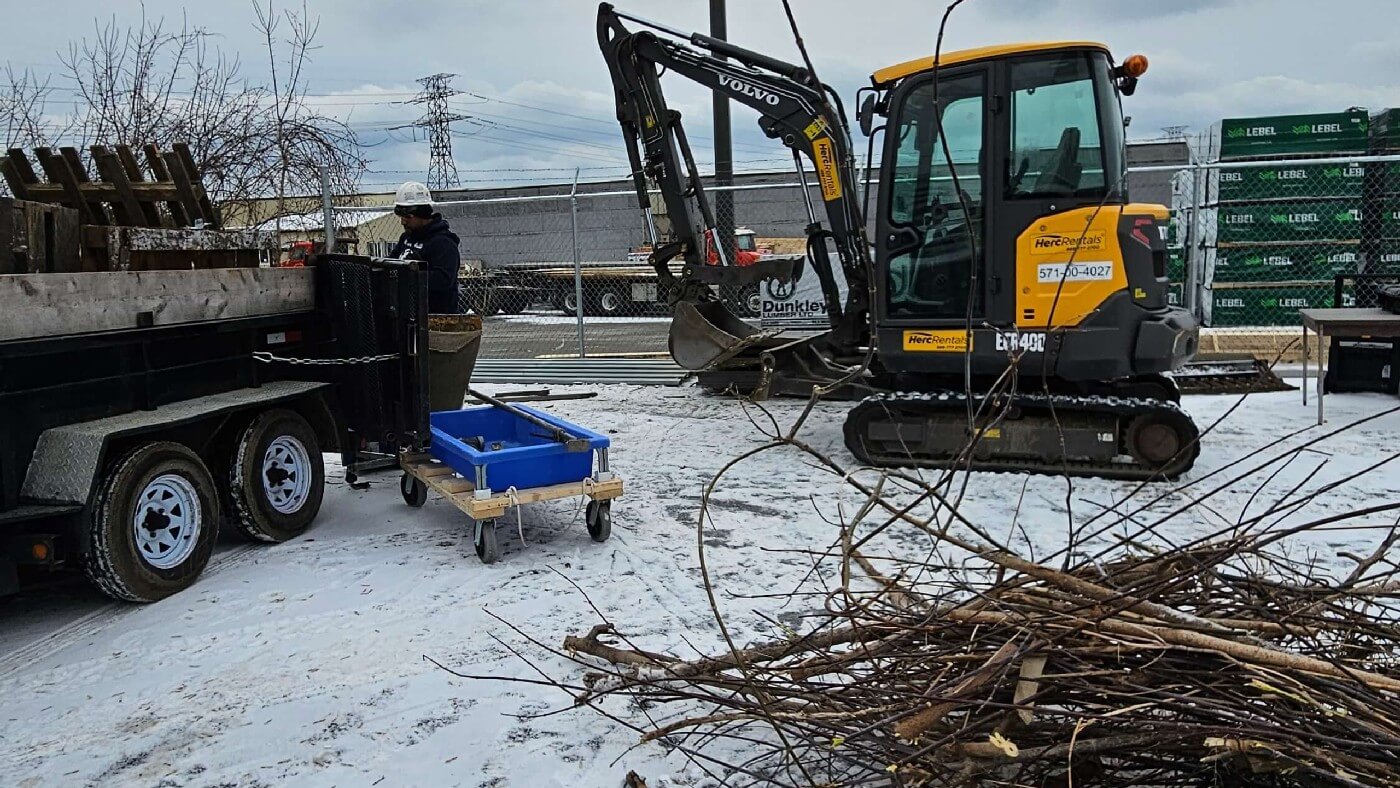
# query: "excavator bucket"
[[707, 334], [1222, 373]]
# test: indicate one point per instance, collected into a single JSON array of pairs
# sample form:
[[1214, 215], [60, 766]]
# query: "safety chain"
[[268, 358]]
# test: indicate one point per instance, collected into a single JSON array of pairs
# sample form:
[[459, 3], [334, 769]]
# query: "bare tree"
[[23, 98], [305, 144], [151, 83]]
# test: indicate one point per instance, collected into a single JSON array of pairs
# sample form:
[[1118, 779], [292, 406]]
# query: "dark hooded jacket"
[[436, 245]]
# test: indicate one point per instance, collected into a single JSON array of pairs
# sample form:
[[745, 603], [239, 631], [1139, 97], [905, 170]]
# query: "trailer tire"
[[276, 479], [611, 302], [514, 302], [157, 487], [750, 301], [568, 301]]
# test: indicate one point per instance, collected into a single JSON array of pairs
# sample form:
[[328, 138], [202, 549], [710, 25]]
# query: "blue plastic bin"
[[529, 457]]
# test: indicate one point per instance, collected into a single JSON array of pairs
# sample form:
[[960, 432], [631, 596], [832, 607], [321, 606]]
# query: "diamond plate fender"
[[66, 459]]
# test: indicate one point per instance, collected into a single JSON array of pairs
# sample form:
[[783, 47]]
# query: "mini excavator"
[[1010, 312]]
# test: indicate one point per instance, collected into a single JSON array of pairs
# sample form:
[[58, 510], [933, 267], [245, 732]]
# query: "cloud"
[[1162, 8], [549, 105], [1381, 57]]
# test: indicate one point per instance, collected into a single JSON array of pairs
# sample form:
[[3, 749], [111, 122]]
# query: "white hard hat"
[[413, 193]]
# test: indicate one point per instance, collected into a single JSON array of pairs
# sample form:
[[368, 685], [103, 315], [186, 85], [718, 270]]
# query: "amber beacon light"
[[1135, 66]]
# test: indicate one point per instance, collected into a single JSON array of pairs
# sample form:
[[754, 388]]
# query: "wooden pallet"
[[462, 492], [137, 216], [168, 192]]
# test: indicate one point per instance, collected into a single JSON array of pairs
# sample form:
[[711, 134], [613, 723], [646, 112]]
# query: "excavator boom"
[[797, 110]]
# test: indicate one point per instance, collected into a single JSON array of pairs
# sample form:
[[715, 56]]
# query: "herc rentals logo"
[[1053, 243], [824, 155], [936, 342]]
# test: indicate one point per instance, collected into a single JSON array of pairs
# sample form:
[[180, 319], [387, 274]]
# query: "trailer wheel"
[[153, 524], [744, 301], [751, 301], [277, 477], [569, 303], [513, 302], [612, 302]]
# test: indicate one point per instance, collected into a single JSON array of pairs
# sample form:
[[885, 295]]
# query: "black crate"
[[1358, 364]]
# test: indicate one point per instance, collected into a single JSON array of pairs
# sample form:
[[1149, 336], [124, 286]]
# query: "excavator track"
[[1095, 436]]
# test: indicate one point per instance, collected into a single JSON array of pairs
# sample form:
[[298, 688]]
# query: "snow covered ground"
[[306, 662]]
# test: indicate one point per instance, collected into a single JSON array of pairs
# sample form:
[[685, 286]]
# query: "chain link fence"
[[1250, 243], [566, 276], [1253, 242]]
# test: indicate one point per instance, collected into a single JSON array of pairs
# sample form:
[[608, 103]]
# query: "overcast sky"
[[538, 92]]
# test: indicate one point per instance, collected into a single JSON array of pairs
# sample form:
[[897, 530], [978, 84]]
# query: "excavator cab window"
[[1063, 111], [929, 268]]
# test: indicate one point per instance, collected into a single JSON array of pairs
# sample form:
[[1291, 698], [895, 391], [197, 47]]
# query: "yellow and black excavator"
[[1010, 311]]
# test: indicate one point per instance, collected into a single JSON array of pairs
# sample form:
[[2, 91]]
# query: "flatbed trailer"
[[610, 289]]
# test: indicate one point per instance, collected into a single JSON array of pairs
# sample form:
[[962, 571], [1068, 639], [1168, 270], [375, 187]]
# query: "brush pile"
[[1222, 662]]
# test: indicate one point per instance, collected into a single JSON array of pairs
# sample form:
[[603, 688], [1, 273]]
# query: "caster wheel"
[[487, 549], [598, 517], [414, 492]]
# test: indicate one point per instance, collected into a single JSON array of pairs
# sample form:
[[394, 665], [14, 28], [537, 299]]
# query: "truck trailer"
[[148, 398]]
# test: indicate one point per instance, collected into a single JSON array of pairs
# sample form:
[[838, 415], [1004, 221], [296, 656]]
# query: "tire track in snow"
[[95, 621]]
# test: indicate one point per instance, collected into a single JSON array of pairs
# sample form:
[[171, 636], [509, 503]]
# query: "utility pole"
[[724, 148], [442, 169]]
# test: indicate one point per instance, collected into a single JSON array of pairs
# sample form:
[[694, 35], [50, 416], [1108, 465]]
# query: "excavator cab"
[[1003, 218]]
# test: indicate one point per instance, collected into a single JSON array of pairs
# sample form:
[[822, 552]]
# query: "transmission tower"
[[442, 170], [1175, 132]]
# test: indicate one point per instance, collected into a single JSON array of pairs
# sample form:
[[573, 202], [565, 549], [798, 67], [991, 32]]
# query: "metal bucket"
[[453, 344], [706, 334]]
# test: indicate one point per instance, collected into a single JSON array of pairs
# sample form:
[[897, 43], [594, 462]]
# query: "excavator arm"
[[795, 109]]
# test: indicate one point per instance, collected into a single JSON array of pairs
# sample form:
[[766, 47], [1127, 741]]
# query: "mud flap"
[[707, 334]]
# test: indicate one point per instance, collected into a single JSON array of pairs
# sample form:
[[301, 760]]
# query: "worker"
[[427, 237]]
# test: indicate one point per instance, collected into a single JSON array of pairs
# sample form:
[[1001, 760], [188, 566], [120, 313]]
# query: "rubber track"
[[1122, 409]]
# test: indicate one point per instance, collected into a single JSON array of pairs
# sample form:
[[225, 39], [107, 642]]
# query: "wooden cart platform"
[[422, 472]]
